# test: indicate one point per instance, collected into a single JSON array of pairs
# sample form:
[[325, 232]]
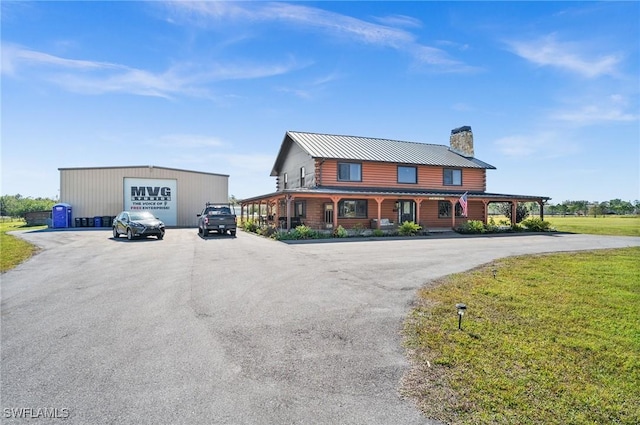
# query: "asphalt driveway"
[[224, 330]]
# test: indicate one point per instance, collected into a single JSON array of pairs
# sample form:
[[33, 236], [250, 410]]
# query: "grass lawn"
[[13, 250], [607, 225], [553, 339]]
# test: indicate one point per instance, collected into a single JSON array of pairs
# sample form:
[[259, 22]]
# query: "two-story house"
[[325, 180]]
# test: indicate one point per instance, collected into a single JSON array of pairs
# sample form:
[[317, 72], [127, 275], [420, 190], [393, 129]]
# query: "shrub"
[[535, 224], [250, 226], [472, 227], [358, 229], [409, 228], [304, 232], [377, 233], [340, 232], [267, 231]]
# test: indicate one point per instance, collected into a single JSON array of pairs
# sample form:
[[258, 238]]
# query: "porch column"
[[486, 211], [514, 207], [288, 200], [335, 200], [418, 202], [541, 203], [379, 201], [453, 212]]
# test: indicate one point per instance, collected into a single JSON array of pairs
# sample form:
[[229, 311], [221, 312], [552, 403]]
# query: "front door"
[[406, 211], [328, 215]]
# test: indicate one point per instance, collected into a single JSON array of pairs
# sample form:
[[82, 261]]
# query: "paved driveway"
[[225, 330]]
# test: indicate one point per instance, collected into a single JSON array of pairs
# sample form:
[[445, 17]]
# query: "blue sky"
[[550, 89]]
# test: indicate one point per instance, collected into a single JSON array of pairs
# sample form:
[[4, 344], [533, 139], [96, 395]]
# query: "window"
[[350, 171], [452, 177], [300, 209], [352, 208], [302, 174], [407, 174], [444, 209], [286, 180]]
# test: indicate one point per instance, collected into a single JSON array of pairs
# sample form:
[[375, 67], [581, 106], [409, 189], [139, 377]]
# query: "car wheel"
[[115, 233], [205, 232], [129, 234], [160, 235]]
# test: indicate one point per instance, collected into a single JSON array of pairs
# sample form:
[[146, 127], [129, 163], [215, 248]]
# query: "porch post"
[[514, 207], [541, 203], [418, 202], [486, 211], [288, 198], [453, 213], [379, 201], [335, 200]]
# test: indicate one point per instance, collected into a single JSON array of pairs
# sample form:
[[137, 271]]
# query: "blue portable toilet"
[[61, 216]]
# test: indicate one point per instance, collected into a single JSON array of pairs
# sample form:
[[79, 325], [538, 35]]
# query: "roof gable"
[[355, 148]]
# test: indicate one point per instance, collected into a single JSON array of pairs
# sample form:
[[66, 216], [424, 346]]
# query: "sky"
[[550, 89]]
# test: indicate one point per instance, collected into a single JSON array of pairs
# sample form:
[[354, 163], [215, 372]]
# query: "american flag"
[[463, 204]]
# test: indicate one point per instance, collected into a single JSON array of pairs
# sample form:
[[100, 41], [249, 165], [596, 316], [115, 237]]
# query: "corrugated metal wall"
[[99, 191]]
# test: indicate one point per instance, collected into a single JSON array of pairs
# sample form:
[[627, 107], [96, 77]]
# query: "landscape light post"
[[461, 309]]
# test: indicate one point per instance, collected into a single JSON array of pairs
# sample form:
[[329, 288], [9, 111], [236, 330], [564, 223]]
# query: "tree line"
[[18, 205], [584, 208]]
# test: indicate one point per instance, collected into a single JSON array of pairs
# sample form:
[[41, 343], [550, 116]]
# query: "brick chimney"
[[461, 141]]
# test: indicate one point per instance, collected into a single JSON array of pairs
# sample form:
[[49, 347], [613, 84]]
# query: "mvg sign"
[[155, 195], [150, 193]]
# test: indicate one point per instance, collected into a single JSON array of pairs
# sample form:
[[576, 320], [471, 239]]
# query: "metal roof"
[[381, 150], [372, 191]]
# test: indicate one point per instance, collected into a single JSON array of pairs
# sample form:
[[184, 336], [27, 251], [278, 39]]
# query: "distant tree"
[[618, 206], [233, 200], [18, 206], [522, 211], [598, 208]]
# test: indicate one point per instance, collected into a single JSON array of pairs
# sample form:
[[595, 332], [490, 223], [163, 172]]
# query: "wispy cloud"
[[546, 144], [187, 141], [95, 77], [306, 18], [613, 108], [570, 56]]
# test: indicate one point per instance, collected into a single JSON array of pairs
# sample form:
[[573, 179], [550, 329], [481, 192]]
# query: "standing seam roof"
[[381, 150]]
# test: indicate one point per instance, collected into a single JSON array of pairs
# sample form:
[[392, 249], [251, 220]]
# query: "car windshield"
[[142, 215], [218, 210]]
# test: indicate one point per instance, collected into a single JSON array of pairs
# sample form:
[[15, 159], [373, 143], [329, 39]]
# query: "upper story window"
[[302, 174], [452, 177], [285, 180], [350, 171], [407, 174]]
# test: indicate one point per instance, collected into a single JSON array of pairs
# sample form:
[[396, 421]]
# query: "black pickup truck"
[[220, 218]]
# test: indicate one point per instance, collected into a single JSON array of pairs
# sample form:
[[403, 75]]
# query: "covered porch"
[[324, 208]]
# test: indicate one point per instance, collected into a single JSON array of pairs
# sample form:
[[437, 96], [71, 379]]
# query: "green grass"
[[553, 339], [14, 251], [607, 225]]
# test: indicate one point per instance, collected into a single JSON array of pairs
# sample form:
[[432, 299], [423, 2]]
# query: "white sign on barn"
[[157, 196]]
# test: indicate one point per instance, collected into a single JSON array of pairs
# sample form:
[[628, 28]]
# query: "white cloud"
[[187, 141], [570, 56], [612, 108], [548, 144], [95, 77], [311, 18]]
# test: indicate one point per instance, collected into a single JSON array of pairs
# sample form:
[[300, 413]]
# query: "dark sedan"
[[137, 223]]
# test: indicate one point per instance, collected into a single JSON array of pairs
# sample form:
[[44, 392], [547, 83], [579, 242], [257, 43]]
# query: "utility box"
[[61, 216]]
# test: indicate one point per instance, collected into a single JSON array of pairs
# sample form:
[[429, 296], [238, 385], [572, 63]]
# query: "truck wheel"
[[205, 232], [233, 233]]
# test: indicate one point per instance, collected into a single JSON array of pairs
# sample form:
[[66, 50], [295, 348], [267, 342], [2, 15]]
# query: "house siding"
[[296, 159], [385, 175]]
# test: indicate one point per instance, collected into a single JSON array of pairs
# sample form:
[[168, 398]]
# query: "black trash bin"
[[106, 221], [78, 222], [83, 222]]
